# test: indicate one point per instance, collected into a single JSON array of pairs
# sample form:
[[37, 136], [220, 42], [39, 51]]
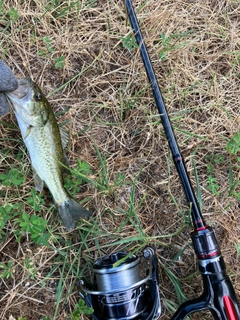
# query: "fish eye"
[[37, 96]]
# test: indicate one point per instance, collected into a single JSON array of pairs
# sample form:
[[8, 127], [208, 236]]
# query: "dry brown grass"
[[112, 107]]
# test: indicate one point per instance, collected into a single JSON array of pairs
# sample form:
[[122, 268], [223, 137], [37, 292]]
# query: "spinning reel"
[[124, 287]]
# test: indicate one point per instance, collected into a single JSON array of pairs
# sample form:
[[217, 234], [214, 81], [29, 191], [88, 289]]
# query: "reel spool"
[[120, 292]]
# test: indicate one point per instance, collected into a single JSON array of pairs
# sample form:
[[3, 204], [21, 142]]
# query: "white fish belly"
[[44, 155]]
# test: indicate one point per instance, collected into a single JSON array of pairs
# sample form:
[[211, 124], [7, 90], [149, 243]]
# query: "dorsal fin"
[[64, 137]]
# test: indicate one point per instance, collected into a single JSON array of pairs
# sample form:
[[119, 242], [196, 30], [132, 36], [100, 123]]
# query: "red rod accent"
[[199, 229], [209, 255], [230, 310]]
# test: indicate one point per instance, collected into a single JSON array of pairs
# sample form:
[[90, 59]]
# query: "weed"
[[36, 200], [67, 267], [210, 168], [13, 177], [35, 226], [72, 183], [103, 177], [48, 51], [170, 305], [7, 213], [4, 216], [28, 263], [129, 42], [80, 309], [7, 270], [233, 183], [13, 15], [61, 9], [175, 281], [233, 145], [78, 175], [213, 160], [212, 185], [59, 62], [90, 4], [82, 172], [48, 47], [170, 43], [120, 179], [132, 212], [237, 245]]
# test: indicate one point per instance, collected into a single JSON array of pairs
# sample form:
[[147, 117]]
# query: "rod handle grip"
[[218, 297]]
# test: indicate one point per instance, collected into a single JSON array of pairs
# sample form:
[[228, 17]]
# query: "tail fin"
[[70, 211]]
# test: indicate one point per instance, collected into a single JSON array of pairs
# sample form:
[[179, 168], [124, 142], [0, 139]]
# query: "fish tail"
[[70, 211]]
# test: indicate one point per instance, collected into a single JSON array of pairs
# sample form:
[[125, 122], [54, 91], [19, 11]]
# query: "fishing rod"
[[218, 294]]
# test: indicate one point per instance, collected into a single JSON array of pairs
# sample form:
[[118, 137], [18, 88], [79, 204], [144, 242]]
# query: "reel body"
[[119, 291]]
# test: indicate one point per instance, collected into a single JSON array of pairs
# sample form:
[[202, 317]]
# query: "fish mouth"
[[23, 89]]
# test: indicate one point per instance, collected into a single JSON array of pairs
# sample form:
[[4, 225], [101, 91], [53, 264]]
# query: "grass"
[[83, 55]]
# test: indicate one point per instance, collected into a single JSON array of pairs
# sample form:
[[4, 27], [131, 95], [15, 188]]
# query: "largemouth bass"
[[45, 144]]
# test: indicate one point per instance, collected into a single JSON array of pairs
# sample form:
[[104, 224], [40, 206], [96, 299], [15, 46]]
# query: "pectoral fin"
[[38, 182], [28, 132]]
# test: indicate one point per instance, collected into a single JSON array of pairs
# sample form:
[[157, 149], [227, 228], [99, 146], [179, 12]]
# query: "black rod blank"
[[197, 217]]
